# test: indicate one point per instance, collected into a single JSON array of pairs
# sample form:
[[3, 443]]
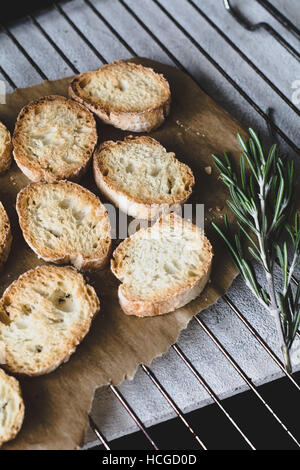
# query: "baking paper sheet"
[[57, 404]]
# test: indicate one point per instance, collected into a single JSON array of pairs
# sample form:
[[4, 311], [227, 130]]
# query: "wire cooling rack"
[[95, 7]]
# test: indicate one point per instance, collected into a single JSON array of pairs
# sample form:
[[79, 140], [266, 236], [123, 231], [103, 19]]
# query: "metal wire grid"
[[291, 27], [265, 26]]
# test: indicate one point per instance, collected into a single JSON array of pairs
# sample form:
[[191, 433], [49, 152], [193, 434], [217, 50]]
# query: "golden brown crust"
[[130, 202], [12, 305], [125, 117], [5, 236], [172, 297], [96, 259], [17, 407], [5, 148], [29, 162]]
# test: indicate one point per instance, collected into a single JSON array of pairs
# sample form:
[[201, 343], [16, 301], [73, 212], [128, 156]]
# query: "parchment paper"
[[57, 404]]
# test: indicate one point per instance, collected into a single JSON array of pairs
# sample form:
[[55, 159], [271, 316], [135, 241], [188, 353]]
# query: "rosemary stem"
[[291, 272], [274, 310], [266, 196], [268, 270], [284, 349]]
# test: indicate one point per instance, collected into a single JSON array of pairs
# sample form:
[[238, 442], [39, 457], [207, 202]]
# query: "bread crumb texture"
[[11, 407], [5, 236], [141, 170], [64, 222], [54, 138], [5, 148], [125, 95], [44, 315], [162, 267]]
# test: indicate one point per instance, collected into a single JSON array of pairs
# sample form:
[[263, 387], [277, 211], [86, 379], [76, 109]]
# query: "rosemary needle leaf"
[[279, 255], [255, 169], [229, 246], [250, 276], [240, 216], [279, 198], [242, 143], [264, 296], [243, 172], [262, 199], [297, 296], [270, 160], [227, 161], [219, 164], [255, 255], [254, 152], [258, 144], [251, 190], [238, 245], [249, 237]]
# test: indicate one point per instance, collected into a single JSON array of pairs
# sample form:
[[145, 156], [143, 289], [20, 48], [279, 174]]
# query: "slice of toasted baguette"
[[65, 223], [54, 139], [5, 236], [5, 148], [125, 95], [163, 267], [140, 177], [11, 408], [44, 315]]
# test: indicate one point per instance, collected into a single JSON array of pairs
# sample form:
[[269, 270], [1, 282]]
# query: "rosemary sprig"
[[262, 200]]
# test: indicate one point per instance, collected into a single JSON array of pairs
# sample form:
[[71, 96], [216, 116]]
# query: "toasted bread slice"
[[125, 95], [5, 236], [11, 407], [163, 267], [5, 148], [44, 315], [65, 223], [54, 139], [140, 177]]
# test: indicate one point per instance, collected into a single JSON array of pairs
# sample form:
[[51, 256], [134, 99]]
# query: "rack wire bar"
[[24, 52], [205, 385], [260, 340], [175, 60], [133, 415], [280, 17], [172, 403], [246, 379], [98, 433], [111, 28], [7, 77], [156, 40], [245, 58], [261, 25], [228, 78], [79, 32], [53, 44]]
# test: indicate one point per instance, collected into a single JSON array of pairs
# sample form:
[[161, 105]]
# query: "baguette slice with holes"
[[44, 315], [65, 223], [5, 236], [163, 267], [11, 408], [5, 148], [54, 139], [125, 95], [140, 177]]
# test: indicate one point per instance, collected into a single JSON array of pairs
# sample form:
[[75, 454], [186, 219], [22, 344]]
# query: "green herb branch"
[[262, 199]]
